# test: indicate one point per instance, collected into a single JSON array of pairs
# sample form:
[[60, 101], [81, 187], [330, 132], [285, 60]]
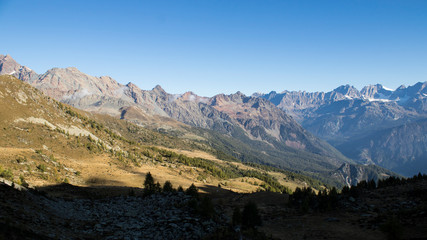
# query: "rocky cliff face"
[[401, 149], [253, 123], [8, 66], [351, 174], [345, 120], [376, 92], [70, 83], [345, 115]]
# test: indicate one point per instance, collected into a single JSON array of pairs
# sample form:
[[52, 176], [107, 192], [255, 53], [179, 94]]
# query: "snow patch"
[[12, 72], [378, 100], [388, 89]]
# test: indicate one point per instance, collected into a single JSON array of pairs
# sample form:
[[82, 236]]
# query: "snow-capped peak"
[[388, 89]]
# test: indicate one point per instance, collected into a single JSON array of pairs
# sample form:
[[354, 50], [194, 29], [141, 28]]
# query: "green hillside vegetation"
[[282, 158], [42, 137]]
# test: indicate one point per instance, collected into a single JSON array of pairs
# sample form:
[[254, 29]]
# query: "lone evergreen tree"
[[149, 185], [167, 187], [192, 191]]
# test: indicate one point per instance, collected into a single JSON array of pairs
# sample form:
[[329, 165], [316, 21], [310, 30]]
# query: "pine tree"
[[192, 191], [167, 187], [149, 185]]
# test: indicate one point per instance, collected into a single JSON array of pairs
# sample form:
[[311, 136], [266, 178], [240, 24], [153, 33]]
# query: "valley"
[[363, 124], [95, 150], [213, 120]]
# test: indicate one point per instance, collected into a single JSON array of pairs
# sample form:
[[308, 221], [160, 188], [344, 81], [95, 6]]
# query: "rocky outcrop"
[[351, 174], [8, 66], [160, 216], [70, 84]]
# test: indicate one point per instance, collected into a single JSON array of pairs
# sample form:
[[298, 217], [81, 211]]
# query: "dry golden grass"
[[65, 157]]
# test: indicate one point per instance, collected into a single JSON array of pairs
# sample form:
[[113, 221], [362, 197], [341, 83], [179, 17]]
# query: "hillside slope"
[[44, 142], [349, 119], [402, 149], [250, 129]]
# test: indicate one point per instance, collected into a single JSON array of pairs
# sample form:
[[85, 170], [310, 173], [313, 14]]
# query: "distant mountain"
[[352, 174], [401, 149], [344, 116], [248, 128], [46, 142]]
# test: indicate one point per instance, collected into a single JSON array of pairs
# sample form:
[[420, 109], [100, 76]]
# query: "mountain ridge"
[[285, 143], [345, 115]]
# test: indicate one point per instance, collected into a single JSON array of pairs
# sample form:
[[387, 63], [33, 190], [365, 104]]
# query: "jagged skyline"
[[222, 47]]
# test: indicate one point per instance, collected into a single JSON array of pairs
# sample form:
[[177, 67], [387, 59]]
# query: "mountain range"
[[258, 128], [375, 125]]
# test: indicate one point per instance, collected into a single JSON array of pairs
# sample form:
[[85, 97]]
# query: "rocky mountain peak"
[[348, 91], [260, 94], [159, 89], [217, 100], [377, 91], [190, 96], [73, 69], [71, 85], [239, 93], [401, 87], [133, 87], [8, 66]]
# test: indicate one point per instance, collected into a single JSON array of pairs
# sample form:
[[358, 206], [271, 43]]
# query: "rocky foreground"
[[391, 210], [32, 215]]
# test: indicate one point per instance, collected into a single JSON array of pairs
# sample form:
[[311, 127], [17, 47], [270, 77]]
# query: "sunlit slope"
[[46, 142]]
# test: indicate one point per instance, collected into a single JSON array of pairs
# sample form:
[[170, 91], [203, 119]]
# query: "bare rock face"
[[351, 174], [345, 116], [376, 92], [401, 149], [254, 124], [261, 119], [8, 66], [70, 83]]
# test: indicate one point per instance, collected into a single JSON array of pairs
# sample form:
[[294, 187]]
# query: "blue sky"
[[211, 47]]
